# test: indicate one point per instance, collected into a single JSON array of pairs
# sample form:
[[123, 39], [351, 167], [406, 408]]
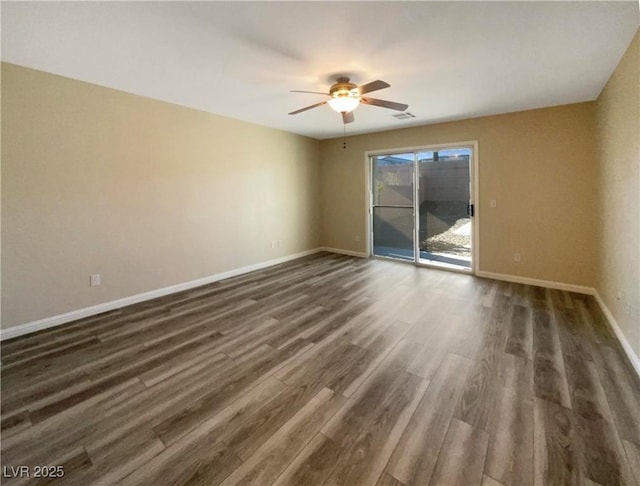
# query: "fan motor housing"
[[343, 88]]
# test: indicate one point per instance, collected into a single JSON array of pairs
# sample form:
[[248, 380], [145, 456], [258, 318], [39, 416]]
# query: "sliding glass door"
[[421, 206], [444, 203]]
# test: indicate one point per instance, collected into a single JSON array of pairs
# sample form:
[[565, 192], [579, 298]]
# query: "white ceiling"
[[447, 60]]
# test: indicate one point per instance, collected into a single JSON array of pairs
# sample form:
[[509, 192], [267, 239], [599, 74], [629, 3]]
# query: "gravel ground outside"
[[454, 241]]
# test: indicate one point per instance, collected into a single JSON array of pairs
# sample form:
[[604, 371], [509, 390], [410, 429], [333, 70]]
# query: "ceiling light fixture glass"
[[344, 104]]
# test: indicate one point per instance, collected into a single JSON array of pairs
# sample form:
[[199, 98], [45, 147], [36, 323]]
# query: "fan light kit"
[[344, 104], [346, 97]]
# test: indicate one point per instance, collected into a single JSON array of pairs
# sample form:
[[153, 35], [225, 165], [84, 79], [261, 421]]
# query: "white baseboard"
[[633, 358], [579, 289], [345, 252], [60, 319]]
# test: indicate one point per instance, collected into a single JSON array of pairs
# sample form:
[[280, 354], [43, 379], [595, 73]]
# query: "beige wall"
[[618, 116], [145, 193], [540, 166]]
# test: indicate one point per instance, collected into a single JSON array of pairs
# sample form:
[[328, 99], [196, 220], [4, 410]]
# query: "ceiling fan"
[[346, 96]]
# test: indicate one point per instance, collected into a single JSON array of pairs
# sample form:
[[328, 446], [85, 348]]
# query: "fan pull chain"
[[344, 135]]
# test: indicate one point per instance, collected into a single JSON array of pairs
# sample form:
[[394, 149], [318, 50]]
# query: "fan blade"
[[347, 117], [385, 104], [307, 108], [372, 86], [312, 92]]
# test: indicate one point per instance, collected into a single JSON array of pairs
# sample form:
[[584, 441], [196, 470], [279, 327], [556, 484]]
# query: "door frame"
[[474, 191]]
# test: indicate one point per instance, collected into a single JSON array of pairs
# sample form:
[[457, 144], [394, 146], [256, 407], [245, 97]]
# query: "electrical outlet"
[[279, 243], [94, 280], [357, 238], [517, 257], [492, 203], [273, 244]]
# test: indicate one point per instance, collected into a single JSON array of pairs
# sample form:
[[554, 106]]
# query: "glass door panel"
[[393, 187], [444, 197], [393, 232]]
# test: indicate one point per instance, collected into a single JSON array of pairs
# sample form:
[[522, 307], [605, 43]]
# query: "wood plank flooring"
[[328, 370]]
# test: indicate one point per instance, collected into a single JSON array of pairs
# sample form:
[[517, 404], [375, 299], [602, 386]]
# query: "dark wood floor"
[[329, 370]]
